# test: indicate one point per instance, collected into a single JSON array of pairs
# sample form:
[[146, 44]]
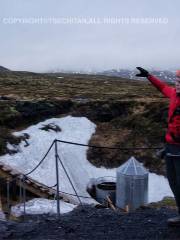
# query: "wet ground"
[[93, 223]]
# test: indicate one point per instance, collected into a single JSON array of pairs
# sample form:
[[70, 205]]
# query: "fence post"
[[20, 189], [24, 197], [8, 197], [57, 179]]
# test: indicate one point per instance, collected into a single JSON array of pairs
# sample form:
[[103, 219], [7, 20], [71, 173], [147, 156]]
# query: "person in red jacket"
[[172, 138]]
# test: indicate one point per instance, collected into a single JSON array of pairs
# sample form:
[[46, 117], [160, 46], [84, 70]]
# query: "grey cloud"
[[98, 46]]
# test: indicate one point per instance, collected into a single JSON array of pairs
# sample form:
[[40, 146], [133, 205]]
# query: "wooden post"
[[127, 208], [110, 203]]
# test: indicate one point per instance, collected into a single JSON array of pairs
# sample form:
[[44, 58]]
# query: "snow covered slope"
[[75, 129]]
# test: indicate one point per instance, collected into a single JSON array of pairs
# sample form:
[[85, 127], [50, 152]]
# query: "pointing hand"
[[143, 72]]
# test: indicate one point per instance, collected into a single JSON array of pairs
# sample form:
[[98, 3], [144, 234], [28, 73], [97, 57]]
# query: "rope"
[[26, 174], [52, 186], [120, 148], [71, 194], [69, 179]]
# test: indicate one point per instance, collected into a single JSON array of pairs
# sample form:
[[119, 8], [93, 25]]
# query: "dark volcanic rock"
[[42, 108], [103, 111], [92, 223]]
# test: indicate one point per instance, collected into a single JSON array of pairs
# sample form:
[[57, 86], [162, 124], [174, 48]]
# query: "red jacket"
[[173, 121]]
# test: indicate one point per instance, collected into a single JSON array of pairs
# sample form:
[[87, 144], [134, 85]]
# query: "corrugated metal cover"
[[132, 167], [132, 185]]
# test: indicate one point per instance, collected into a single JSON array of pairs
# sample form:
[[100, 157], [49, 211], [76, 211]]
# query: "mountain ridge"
[[3, 69]]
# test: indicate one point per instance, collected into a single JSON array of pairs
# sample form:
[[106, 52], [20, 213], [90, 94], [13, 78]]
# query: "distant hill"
[[3, 69], [165, 75]]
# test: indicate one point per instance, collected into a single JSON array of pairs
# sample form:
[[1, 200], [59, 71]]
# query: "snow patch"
[[81, 171], [41, 206]]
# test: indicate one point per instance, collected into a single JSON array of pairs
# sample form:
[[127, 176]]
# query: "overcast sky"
[[89, 46]]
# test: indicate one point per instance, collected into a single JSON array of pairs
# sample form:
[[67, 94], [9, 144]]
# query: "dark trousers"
[[172, 159]]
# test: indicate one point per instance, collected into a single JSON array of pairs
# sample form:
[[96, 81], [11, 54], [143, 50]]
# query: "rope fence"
[[58, 161]]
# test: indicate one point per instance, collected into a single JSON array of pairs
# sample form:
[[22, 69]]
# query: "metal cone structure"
[[132, 185]]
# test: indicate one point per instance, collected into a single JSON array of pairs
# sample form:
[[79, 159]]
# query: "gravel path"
[[95, 224]]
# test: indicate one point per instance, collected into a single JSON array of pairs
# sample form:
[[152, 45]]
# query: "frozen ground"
[[75, 129]]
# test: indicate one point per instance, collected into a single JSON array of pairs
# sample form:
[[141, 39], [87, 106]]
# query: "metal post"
[[8, 198], [20, 190], [24, 197], [57, 180]]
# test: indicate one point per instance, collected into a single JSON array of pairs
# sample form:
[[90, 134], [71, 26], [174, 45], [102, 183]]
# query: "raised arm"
[[160, 85]]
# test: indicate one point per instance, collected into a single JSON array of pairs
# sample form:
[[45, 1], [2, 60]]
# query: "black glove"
[[143, 72]]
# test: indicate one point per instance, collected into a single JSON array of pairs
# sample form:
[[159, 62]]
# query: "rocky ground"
[[92, 223]]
